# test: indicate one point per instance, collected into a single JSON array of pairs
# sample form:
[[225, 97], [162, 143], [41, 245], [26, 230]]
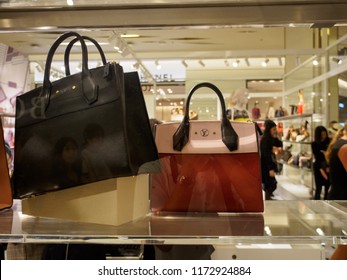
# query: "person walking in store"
[[336, 156], [256, 111], [320, 166], [270, 145]]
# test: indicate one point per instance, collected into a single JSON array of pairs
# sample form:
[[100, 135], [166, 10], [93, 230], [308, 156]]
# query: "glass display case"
[[282, 222]]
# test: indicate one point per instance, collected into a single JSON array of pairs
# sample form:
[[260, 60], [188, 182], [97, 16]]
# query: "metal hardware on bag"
[[204, 132], [65, 90]]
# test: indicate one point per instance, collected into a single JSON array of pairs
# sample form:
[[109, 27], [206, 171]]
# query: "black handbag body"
[[80, 129]]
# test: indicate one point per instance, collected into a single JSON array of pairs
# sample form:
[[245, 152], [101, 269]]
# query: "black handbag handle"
[[89, 89], [229, 135], [68, 50]]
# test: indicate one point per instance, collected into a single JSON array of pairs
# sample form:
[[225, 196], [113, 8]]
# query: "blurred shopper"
[[256, 111], [332, 129], [320, 165], [270, 145], [336, 156]]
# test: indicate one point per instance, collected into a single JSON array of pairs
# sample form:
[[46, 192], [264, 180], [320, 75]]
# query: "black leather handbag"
[[80, 129]]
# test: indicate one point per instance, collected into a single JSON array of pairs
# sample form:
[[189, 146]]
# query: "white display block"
[[111, 202]]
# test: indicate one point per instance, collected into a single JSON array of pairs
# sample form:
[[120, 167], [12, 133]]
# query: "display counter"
[[283, 222]]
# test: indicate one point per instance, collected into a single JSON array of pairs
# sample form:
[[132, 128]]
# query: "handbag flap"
[[205, 137]]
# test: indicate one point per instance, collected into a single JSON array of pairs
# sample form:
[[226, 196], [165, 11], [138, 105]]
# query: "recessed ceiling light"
[[130, 35]]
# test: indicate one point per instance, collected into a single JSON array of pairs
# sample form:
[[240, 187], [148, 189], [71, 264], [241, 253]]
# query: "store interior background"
[[177, 44]]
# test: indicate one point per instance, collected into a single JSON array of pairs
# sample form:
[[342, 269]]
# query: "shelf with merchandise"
[[297, 116], [297, 142], [7, 120], [8, 124], [295, 166], [297, 132]]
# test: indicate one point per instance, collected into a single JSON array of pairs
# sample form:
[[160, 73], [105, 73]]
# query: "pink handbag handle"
[[229, 135]]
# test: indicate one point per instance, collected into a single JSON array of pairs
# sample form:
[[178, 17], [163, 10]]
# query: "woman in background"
[[270, 145], [320, 166], [336, 156]]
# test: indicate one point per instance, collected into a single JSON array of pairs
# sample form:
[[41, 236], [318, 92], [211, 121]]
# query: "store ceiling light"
[[337, 60], [201, 63], [320, 231], [236, 63], [280, 61], [38, 68], [119, 44], [136, 65], [157, 65], [265, 62], [184, 63], [315, 62], [125, 49]]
